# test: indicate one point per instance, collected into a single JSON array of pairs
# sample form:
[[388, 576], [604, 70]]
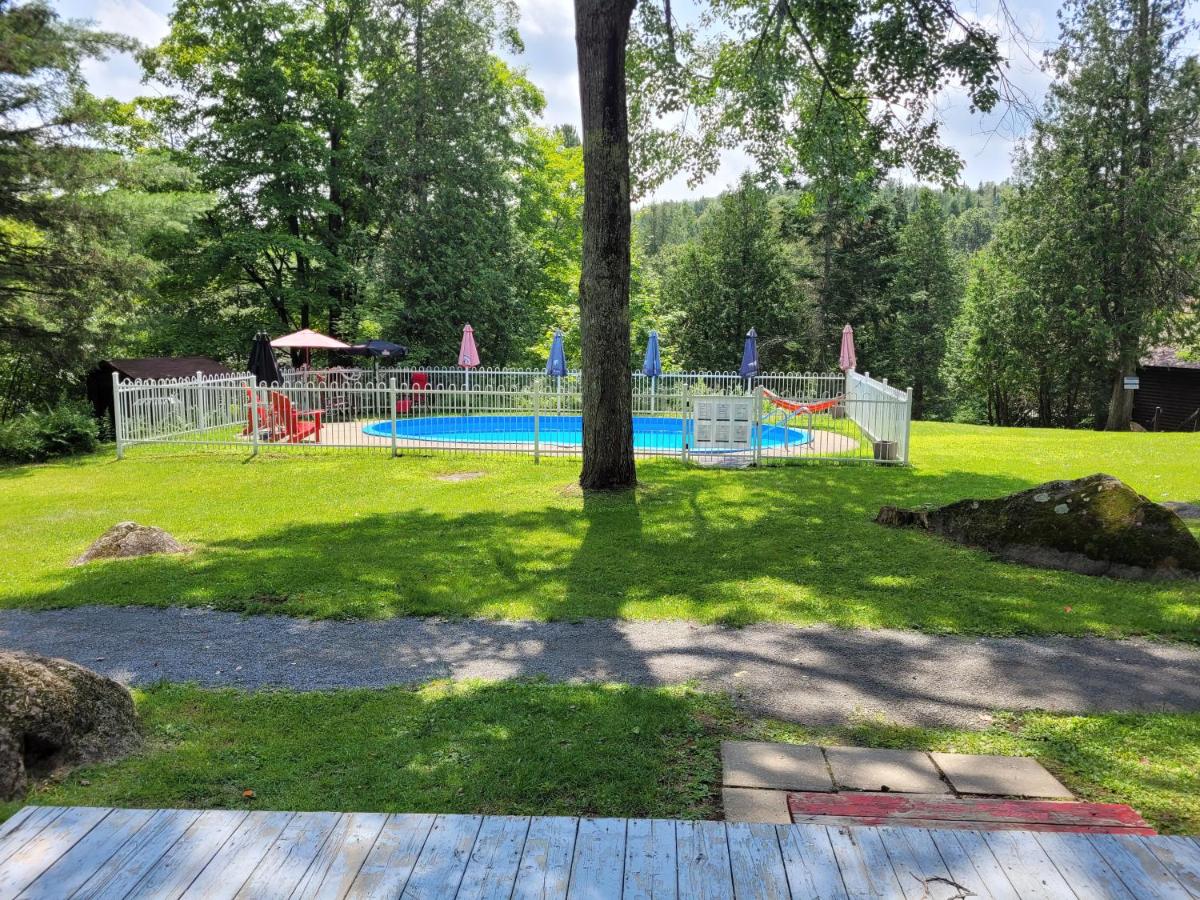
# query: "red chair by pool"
[[261, 414], [418, 384], [293, 426]]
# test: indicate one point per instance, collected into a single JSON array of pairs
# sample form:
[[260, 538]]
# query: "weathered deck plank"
[[1026, 864], [1181, 856], [866, 869], [391, 859], [53, 841], [341, 856], [812, 869], [918, 865], [703, 858], [172, 872], [117, 877], [1077, 859], [597, 871], [757, 862], [439, 869], [1138, 868], [492, 869], [651, 871], [103, 853], [545, 869], [972, 864], [89, 853], [289, 857]]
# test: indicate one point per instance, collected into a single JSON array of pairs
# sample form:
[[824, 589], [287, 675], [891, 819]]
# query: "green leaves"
[[785, 78]]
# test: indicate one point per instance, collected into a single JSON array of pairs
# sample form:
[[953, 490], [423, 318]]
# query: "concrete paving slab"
[[868, 769], [755, 805], [758, 764], [1008, 776]]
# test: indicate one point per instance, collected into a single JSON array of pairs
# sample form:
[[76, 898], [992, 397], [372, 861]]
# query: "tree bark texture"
[[601, 33]]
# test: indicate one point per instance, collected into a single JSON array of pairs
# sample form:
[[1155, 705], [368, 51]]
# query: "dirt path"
[[818, 675]]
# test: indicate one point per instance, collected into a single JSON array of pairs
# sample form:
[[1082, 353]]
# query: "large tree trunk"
[[601, 32], [1120, 404]]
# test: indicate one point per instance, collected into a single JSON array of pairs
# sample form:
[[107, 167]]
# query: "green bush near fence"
[[38, 435]]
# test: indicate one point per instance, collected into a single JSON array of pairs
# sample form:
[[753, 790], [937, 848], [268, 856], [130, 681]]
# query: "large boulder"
[[1096, 525], [127, 539], [55, 715]]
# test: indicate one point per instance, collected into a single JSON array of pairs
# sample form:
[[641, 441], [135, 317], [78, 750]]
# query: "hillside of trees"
[[377, 169]]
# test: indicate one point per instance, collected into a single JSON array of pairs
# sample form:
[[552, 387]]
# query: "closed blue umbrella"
[[652, 365], [750, 356], [556, 365]]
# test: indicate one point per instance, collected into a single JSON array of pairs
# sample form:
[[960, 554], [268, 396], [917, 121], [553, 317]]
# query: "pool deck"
[[350, 434], [93, 852]]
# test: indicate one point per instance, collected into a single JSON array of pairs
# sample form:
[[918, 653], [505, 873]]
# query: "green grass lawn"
[[538, 748], [350, 534]]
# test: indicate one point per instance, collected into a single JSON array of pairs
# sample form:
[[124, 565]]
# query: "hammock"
[[800, 408]]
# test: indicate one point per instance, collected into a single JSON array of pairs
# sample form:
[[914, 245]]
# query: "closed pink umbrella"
[[846, 360], [468, 356]]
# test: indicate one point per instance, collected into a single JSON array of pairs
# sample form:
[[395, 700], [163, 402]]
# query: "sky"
[[985, 143]]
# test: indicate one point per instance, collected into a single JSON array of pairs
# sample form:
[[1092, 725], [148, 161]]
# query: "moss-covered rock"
[[1096, 525], [55, 715]]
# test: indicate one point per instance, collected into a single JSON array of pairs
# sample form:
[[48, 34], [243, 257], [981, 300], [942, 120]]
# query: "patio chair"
[[418, 384], [262, 414], [295, 426]]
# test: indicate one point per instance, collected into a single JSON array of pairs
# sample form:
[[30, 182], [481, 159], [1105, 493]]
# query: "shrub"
[[59, 431]]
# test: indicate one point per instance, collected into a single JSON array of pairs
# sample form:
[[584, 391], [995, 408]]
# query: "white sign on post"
[[1132, 382], [723, 423]]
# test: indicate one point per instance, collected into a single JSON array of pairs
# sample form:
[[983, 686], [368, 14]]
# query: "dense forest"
[[377, 169]]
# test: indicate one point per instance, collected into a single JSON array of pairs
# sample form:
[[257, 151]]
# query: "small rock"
[[1062, 509], [1037, 498], [129, 539]]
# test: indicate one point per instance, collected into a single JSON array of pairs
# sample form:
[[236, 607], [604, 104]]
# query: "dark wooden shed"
[[99, 380], [1168, 396]]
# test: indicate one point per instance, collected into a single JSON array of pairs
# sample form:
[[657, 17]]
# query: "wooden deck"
[[78, 852]]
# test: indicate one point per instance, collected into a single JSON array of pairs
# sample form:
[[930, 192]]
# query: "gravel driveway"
[[819, 675]]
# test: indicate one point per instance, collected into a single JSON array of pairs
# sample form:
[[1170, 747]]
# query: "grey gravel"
[[819, 675]]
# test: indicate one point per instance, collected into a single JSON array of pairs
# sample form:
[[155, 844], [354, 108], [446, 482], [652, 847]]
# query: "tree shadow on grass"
[[503, 748], [789, 545]]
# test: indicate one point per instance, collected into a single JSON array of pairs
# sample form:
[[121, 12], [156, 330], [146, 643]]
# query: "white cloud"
[[131, 17], [547, 18]]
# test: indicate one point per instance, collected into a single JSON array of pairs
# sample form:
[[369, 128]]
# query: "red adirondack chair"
[[262, 414], [418, 384], [293, 426]]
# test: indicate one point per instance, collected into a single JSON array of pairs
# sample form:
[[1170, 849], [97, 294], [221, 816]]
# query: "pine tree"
[[927, 295]]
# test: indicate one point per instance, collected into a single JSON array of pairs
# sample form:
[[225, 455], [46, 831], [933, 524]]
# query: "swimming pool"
[[649, 432]]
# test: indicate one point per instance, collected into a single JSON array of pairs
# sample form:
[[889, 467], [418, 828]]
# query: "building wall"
[[1173, 394]]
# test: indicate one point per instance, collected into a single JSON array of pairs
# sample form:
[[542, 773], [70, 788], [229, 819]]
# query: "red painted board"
[[876, 809]]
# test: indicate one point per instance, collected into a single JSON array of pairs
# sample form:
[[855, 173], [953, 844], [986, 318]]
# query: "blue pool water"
[[649, 432]]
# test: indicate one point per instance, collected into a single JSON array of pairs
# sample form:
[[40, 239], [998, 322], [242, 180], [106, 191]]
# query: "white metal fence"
[[399, 411]]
